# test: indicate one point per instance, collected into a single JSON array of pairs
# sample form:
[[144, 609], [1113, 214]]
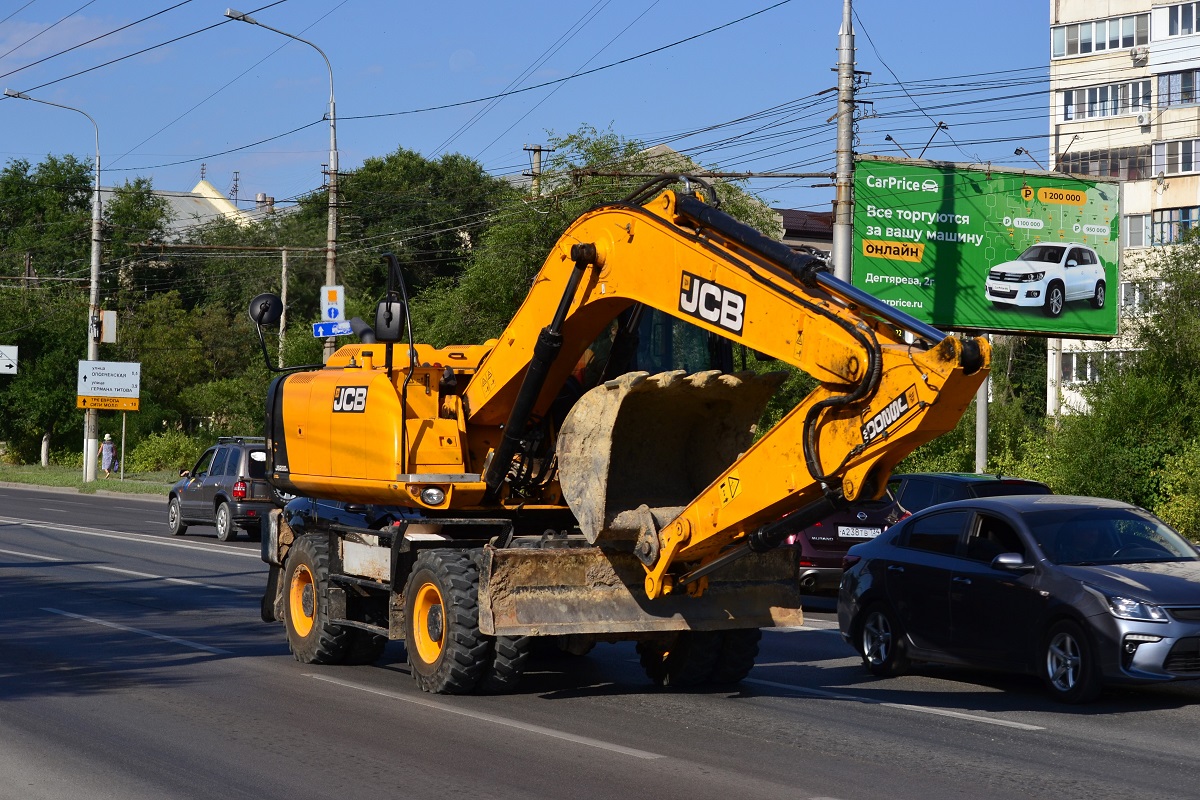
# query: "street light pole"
[[90, 437], [332, 231]]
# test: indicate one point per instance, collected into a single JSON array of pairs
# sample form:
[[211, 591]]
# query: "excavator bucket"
[[645, 446]]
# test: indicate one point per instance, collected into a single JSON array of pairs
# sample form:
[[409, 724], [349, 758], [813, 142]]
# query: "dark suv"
[[227, 488], [919, 490], [820, 546]]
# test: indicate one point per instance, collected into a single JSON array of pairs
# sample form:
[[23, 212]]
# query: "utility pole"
[[283, 278], [843, 203], [535, 165]]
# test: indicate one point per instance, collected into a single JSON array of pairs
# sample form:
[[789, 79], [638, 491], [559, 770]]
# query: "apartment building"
[[1125, 106]]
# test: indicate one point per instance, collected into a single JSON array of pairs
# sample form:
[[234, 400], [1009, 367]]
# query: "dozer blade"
[[654, 441]]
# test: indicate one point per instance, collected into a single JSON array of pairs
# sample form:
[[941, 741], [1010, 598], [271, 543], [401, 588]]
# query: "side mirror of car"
[[1012, 562], [1072, 263]]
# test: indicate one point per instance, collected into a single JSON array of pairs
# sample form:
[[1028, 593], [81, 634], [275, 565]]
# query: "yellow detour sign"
[[107, 403]]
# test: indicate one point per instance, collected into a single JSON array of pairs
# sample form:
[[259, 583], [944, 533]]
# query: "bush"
[[168, 450]]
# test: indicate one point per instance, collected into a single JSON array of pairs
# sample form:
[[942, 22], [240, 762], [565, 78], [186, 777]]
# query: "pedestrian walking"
[[108, 455]]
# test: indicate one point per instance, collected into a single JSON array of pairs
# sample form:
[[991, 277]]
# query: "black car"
[[918, 490], [227, 489], [1079, 590]]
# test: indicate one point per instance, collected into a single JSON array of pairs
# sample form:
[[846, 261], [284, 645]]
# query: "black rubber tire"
[[1098, 295], [311, 637], [683, 661], [739, 648], [175, 518], [1069, 666], [503, 673], [881, 642], [1056, 299], [458, 653], [365, 647], [223, 521]]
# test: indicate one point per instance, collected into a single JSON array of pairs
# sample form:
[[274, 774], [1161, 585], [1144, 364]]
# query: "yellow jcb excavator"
[[595, 473]]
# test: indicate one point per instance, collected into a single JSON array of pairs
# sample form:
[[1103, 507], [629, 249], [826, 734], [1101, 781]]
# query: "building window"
[[1136, 295], [1085, 366], [1182, 19], [1085, 38], [1169, 225], [1106, 101], [1175, 158], [1136, 228], [1125, 163], [1179, 88]]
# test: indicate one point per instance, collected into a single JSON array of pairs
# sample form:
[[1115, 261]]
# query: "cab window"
[[218, 466], [202, 466]]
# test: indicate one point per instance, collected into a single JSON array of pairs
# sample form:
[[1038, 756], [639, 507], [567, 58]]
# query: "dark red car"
[[820, 546]]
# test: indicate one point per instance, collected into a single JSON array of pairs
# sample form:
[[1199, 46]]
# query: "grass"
[[72, 477]]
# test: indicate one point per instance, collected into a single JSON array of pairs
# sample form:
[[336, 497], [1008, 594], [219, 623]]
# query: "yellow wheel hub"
[[302, 600], [429, 623]]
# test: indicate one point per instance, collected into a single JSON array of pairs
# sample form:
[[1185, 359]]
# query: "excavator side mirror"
[[266, 309], [389, 321]]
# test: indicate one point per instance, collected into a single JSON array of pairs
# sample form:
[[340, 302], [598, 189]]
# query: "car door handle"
[[963, 581], [895, 568]]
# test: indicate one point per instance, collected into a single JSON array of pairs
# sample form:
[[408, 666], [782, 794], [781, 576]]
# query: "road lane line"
[[511, 723], [58, 510], [216, 651], [941, 712], [129, 537], [29, 555], [183, 581]]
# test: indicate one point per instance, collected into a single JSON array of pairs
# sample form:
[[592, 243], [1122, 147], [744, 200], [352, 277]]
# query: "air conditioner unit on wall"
[[1140, 55], [1143, 118]]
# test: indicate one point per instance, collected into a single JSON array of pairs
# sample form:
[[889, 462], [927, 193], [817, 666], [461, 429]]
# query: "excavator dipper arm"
[[887, 383]]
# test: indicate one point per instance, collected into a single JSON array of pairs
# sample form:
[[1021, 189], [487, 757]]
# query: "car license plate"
[[851, 532]]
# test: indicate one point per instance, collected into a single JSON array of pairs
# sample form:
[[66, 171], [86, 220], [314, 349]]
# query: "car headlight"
[[1034, 277], [1127, 608]]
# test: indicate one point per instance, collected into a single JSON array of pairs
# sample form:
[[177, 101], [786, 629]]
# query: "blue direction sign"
[[322, 330]]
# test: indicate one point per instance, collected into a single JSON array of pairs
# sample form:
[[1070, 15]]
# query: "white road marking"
[[183, 581], [130, 537], [941, 712], [58, 510], [495, 720], [117, 626], [29, 555]]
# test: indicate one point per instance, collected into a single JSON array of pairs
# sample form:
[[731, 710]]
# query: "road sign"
[[332, 304], [109, 379], [108, 403], [8, 360], [323, 330]]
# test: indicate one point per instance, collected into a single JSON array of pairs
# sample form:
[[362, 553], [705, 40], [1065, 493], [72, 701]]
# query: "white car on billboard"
[[1048, 276]]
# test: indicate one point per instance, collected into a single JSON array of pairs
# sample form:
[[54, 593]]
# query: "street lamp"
[[1021, 150], [331, 235], [90, 439]]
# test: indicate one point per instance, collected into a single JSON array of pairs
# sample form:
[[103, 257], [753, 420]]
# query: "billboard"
[[970, 248]]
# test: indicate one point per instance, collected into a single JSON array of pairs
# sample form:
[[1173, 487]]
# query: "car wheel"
[[1056, 298], [1070, 668], [881, 642], [1098, 295], [280, 497], [175, 518], [223, 520]]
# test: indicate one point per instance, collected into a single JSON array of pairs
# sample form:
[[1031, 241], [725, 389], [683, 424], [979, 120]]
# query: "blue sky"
[[193, 99]]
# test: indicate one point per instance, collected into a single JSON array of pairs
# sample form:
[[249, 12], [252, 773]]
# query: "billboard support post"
[[843, 203], [981, 422]]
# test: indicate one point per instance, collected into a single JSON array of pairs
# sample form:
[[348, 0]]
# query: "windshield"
[[1048, 254], [1087, 536]]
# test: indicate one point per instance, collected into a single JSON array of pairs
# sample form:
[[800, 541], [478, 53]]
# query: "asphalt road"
[[134, 665]]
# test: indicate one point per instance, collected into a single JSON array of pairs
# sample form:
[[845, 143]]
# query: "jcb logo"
[[350, 398], [712, 302]]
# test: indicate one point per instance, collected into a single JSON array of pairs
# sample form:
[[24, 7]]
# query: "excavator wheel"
[[311, 637], [739, 648], [682, 661], [507, 665], [446, 651]]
